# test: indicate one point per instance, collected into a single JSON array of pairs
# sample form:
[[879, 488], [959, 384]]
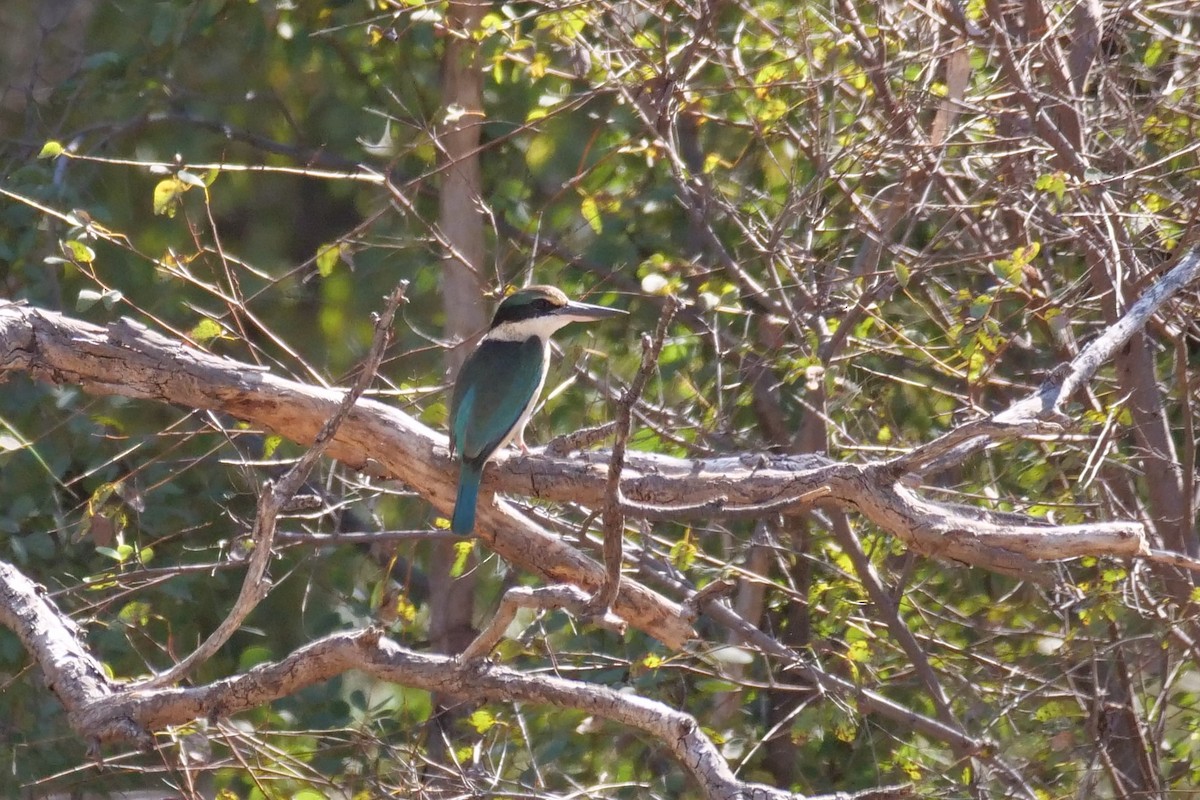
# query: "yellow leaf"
[[205, 330], [462, 551], [328, 256], [79, 251], [481, 720], [591, 213], [405, 610], [166, 196], [50, 149]]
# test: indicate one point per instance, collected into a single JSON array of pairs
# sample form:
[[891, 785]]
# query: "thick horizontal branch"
[[1007, 543], [102, 710], [128, 360]]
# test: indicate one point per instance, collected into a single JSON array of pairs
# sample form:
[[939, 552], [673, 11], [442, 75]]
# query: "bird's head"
[[540, 311]]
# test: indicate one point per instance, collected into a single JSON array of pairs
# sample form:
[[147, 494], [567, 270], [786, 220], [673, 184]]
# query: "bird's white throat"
[[520, 330]]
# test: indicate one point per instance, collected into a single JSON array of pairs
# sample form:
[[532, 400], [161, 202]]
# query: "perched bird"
[[500, 381]]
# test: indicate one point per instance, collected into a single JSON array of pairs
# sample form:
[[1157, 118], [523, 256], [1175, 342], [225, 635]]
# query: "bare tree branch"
[[143, 364], [1041, 411], [102, 710], [131, 361], [614, 515], [543, 598], [55, 644], [272, 499]]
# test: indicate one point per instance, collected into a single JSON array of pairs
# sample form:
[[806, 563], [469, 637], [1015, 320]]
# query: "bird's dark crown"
[[529, 303]]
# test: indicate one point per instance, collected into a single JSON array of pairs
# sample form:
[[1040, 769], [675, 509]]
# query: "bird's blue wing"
[[495, 385]]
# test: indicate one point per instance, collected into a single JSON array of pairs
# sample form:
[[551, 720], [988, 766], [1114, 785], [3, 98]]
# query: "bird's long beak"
[[586, 312]]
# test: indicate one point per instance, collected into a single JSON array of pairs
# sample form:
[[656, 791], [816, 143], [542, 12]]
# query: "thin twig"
[[1041, 410], [367, 537], [580, 439], [544, 598], [891, 615], [1169, 558], [614, 515], [271, 501]]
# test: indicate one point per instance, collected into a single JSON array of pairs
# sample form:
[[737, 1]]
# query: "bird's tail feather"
[[463, 521]]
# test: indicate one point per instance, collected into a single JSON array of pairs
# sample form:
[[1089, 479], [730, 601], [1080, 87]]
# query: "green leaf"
[[980, 306], [135, 613], [1154, 53], [976, 364], [1054, 182], [87, 298], [1026, 254], [50, 149], [120, 554], [253, 655], [683, 552], [270, 445], [859, 651]]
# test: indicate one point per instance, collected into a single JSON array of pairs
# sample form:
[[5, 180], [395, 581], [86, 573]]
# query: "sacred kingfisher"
[[499, 383]]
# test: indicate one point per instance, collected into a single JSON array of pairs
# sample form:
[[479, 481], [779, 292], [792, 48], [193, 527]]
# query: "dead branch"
[[130, 361], [273, 497], [542, 598], [102, 710], [1041, 411], [55, 644], [614, 514]]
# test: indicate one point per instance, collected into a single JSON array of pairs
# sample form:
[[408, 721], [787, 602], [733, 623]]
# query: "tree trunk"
[[452, 599]]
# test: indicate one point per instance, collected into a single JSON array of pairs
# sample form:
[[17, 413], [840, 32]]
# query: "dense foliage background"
[[883, 220]]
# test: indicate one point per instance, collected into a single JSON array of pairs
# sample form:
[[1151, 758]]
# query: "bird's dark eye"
[[542, 304]]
